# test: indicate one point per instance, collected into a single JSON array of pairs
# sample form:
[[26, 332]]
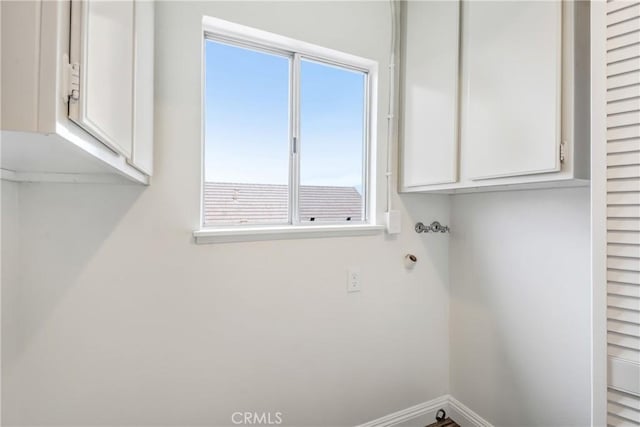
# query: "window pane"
[[246, 148], [332, 107]]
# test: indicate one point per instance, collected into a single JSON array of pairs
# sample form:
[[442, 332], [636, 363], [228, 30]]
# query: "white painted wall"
[[119, 319], [9, 259], [520, 306]]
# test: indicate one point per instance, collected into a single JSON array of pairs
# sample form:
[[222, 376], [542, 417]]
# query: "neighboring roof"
[[233, 203]]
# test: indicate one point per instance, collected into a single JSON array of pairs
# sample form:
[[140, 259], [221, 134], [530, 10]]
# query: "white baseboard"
[[464, 416], [459, 412], [408, 414]]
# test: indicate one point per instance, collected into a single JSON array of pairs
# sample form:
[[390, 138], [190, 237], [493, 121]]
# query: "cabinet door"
[[512, 73], [143, 107], [20, 47], [430, 92], [102, 43]]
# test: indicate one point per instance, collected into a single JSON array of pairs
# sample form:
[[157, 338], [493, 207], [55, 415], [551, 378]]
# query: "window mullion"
[[294, 182]]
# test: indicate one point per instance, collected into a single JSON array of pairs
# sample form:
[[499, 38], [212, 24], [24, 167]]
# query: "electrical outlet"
[[353, 280]]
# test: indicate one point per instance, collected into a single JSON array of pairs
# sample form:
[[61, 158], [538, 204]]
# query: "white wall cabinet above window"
[[77, 90], [494, 95]]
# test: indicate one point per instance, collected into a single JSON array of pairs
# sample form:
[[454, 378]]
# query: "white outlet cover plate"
[[353, 280]]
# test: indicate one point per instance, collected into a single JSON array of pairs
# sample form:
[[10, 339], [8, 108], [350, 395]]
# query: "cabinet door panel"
[[102, 43], [511, 83], [430, 93], [143, 107], [20, 47]]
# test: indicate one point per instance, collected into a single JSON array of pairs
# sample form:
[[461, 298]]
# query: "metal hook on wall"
[[434, 227]]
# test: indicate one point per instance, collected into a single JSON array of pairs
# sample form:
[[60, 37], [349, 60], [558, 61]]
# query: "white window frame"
[[234, 34]]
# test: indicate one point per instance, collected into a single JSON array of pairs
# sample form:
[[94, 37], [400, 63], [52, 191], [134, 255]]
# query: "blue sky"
[[247, 119]]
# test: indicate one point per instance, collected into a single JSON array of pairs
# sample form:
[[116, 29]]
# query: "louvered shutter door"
[[623, 212]]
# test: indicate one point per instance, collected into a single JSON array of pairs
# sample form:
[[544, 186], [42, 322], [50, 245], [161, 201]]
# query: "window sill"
[[250, 234]]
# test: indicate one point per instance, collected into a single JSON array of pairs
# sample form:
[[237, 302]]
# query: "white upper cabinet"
[[84, 111], [430, 92], [512, 87], [102, 44], [521, 114]]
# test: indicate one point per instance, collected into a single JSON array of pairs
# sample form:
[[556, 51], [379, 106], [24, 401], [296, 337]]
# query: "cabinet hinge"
[[562, 151], [71, 90]]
